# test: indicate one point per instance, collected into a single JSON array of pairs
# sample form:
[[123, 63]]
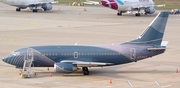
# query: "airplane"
[[32, 4], [70, 58], [122, 6], [91, 2]]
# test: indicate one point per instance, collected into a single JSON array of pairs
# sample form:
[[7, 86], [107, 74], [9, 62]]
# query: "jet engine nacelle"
[[65, 67], [150, 10], [47, 7]]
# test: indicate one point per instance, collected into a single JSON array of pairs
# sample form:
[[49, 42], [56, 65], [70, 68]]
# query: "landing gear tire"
[[145, 13], [119, 13], [34, 10], [45, 9], [137, 14], [85, 70], [18, 9]]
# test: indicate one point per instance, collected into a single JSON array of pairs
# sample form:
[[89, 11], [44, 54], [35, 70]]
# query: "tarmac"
[[86, 25]]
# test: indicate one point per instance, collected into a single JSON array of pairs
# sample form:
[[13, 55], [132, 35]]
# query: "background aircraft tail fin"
[[154, 32]]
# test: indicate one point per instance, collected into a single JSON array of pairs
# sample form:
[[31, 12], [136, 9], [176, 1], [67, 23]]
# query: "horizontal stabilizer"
[[163, 45], [156, 48]]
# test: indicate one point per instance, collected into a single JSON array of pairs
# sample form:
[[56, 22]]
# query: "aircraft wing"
[[86, 64], [142, 7], [40, 3]]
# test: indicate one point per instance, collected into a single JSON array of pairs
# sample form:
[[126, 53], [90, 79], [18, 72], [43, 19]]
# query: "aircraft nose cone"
[[4, 59], [104, 3], [7, 58]]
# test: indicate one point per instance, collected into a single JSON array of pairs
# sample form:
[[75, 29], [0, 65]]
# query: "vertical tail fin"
[[154, 32]]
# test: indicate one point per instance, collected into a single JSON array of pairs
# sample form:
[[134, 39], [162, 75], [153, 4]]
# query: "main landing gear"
[[85, 70], [138, 13], [119, 13], [35, 10], [18, 9]]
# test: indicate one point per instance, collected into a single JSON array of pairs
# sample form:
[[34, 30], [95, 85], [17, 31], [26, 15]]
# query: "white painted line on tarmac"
[[108, 86], [157, 83], [129, 83]]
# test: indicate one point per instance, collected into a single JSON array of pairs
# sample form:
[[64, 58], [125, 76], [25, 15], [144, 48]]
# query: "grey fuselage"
[[46, 56]]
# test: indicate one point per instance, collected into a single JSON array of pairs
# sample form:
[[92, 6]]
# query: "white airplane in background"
[[123, 6], [32, 4], [91, 2]]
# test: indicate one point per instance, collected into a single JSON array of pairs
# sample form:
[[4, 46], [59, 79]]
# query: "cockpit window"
[[15, 53]]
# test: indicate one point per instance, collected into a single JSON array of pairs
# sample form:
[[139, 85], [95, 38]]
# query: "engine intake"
[[65, 67], [150, 10], [47, 7]]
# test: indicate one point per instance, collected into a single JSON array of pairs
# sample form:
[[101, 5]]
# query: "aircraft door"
[[133, 53], [75, 55], [30, 54]]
